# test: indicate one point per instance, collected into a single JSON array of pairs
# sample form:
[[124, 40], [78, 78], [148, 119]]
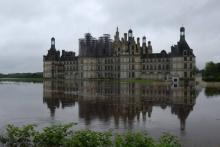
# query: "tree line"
[[22, 75], [211, 72]]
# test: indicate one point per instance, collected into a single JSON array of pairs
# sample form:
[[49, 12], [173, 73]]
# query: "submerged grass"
[[63, 136]]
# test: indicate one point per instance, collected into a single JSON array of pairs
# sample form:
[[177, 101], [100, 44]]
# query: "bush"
[[54, 135], [168, 140], [16, 136], [88, 138], [64, 136], [134, 140]]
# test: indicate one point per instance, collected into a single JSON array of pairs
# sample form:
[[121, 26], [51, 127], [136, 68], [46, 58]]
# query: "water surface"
[[191, 113]]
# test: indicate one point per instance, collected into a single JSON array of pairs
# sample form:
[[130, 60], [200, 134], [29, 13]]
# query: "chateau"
[[120, 58]]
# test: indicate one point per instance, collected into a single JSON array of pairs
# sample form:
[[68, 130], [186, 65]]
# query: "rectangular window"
[[185, 93], [191, 74], [185, 74], [132, 74], [185, 66]]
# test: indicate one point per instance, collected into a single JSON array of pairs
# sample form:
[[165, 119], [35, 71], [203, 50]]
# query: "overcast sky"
[[26, 26]]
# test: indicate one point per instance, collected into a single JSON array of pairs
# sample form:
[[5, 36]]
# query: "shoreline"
[[205, 83], [22, 79], [198, 80]]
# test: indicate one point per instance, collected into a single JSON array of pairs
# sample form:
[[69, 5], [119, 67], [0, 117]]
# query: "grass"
[[62, 135], [35, 80]]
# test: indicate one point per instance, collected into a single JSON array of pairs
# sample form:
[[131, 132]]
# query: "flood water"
[[191, 113]]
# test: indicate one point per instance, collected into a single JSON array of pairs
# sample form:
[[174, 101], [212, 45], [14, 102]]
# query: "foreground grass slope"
[[64, 136]]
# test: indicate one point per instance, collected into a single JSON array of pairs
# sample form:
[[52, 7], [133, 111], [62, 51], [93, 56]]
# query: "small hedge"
[[64, 136]]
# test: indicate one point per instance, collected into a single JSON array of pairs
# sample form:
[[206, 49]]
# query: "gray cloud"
[[28, 25]]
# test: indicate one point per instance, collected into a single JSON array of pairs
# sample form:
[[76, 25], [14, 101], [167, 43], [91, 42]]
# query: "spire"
[[52, 43], [117, 34], [182, 43]]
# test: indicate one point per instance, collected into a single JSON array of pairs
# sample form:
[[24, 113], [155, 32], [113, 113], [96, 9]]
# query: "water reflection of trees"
[[122, 102], [212, 91]]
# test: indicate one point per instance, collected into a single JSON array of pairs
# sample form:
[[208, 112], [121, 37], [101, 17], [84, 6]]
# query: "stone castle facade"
[[120, 58]]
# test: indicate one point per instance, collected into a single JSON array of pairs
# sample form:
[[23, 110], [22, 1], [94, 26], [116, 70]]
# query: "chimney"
[[125, 36]]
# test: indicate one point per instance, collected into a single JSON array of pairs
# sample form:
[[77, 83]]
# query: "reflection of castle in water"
[[118, 100]]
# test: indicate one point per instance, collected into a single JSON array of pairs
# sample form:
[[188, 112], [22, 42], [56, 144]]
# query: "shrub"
[[53, 136], [134, 140], [16, 136], [168, 140], [64, 136], [88, 138]]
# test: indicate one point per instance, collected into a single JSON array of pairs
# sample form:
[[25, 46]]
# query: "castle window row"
[[70, 62], [155, 60], [156, 67], [188, 67], [186, 59], [187, 52], [71, 68]]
